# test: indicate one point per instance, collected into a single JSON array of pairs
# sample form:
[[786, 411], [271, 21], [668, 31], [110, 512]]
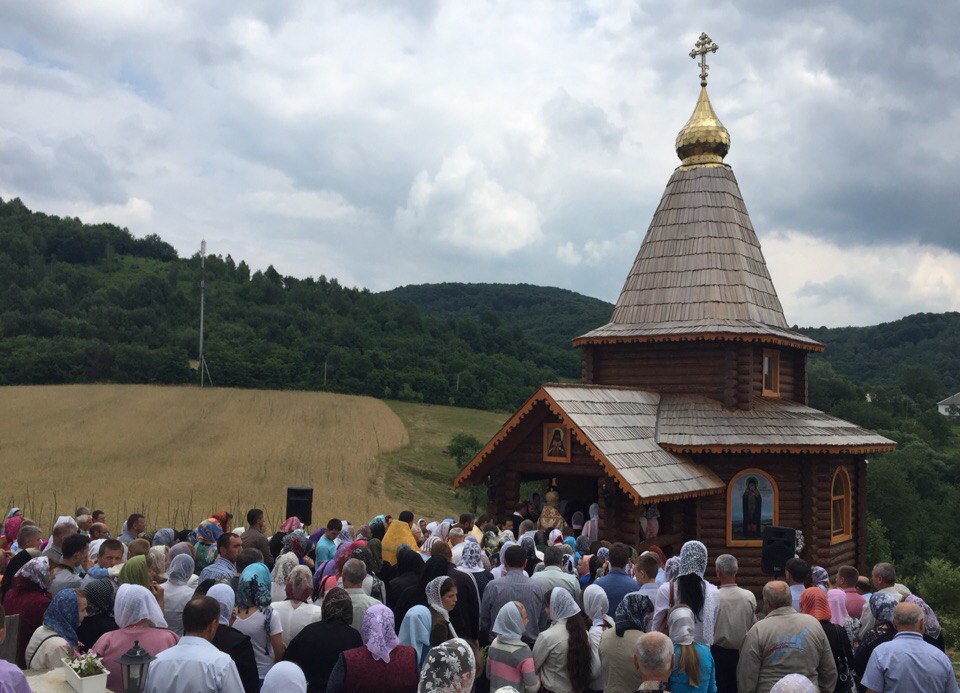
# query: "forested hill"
[[91, 303], [546, 314]]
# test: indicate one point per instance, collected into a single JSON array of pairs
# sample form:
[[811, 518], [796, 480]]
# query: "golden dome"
[[703, 140]]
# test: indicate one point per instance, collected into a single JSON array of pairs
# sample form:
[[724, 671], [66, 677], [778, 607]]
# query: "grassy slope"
[[420, 473]]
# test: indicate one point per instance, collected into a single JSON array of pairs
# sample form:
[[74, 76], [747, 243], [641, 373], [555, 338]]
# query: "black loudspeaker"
[[779, 546], [300, 503]]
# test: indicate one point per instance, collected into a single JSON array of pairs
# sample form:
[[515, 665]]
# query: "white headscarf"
[[681, 624], [93, 549], [591, 526], [436, 601], [226, 597], [181, 569], [562, 604], [449, 668], [284, 677], [793, 683], [508, 625], [282, 569], [595, 605], [693, 559], [135, 603]]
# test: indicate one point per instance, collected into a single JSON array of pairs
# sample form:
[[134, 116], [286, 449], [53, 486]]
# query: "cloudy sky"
[[388, 143]]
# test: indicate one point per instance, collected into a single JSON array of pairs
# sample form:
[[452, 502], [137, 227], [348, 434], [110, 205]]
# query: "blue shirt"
[[907, 664], [795, 592], [617, 584], [708, 676], [326, 550], [220, 569]]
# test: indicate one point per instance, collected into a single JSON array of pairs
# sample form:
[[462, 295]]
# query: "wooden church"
[[691, 420]]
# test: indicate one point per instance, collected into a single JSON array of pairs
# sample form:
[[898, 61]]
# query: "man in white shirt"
[[645, 573], [736, 614], [194, 665], [456, 538]]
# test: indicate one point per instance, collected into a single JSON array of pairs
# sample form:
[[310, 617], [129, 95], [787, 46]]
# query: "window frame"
[[846, 499], [774, 358]]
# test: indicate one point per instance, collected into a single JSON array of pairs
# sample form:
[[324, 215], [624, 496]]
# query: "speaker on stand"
[[300, 503], [779, 545]]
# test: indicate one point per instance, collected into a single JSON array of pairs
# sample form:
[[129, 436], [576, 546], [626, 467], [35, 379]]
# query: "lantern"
[[133, 668]]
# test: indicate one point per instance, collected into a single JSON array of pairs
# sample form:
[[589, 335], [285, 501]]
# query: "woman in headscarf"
[[692, 590], [671, 569], [471, 563], [28, 598], [140, 619], [136, 572], [384, 570], [231, 641], [11, 527], [592, 526], [501, 566], [509, 659], [177, 592], [595, 607], [157, 563], [555, 537], [282, 568], [257, 619], [184, 548], [449, 668], [223, 519], [381, 664], [296, 612], [529, 545], [441, 595], [164, 537], [99, 619], [317, 648], [617, 645], [819, 578], [693, 668], [932, 632], [881, 607], [58, 633], [562, 654], [813, 602], [837, 600], [409, 566], [794, 683], [298, 543], [415, 632], [285, 677], [207, 534]]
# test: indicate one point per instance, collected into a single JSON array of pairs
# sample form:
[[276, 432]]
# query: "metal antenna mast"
[[202, 362]]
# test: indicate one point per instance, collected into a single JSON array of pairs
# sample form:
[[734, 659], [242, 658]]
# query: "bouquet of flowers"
[[85, 663]]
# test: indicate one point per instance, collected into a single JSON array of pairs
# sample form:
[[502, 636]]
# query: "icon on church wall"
[[556, 443], [752, 504]]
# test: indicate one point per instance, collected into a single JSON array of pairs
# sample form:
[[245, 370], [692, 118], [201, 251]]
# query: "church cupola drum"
[[691, 420]]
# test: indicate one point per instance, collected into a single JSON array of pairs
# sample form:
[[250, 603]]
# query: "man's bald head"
[[776, 595], [653, 656], [908, 617]]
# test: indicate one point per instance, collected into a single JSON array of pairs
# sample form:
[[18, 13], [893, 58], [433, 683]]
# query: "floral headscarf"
[[157, 559], [583, 545], [671, 569], [63, 615], [471, 560], [819, 576], [882, 606], [490, 543], [337, 607], [363, 553], [208, 532], [931, 624], [299, 587], [377, 632], [164, 537], [556, 537], [282, 569], [633, 613], [449, 668], [37, 571], [290, 524], [254, 591], [297, 542]]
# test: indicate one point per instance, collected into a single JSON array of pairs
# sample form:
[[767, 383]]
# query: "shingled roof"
[[700, 273], [642, 438], [694, 423]]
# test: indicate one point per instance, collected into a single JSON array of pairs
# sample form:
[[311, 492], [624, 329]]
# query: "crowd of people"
[[524, 603]]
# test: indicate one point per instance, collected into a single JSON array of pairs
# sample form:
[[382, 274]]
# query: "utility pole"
[[202, 362]]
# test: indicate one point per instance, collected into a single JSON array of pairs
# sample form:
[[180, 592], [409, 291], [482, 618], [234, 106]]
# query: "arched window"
[[753, 502], [840, 507]]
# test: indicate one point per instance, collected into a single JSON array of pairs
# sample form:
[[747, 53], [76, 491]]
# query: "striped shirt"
[[511, 665]]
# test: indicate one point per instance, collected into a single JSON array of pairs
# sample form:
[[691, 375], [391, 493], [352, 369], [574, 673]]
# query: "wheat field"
[[178, 454]]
